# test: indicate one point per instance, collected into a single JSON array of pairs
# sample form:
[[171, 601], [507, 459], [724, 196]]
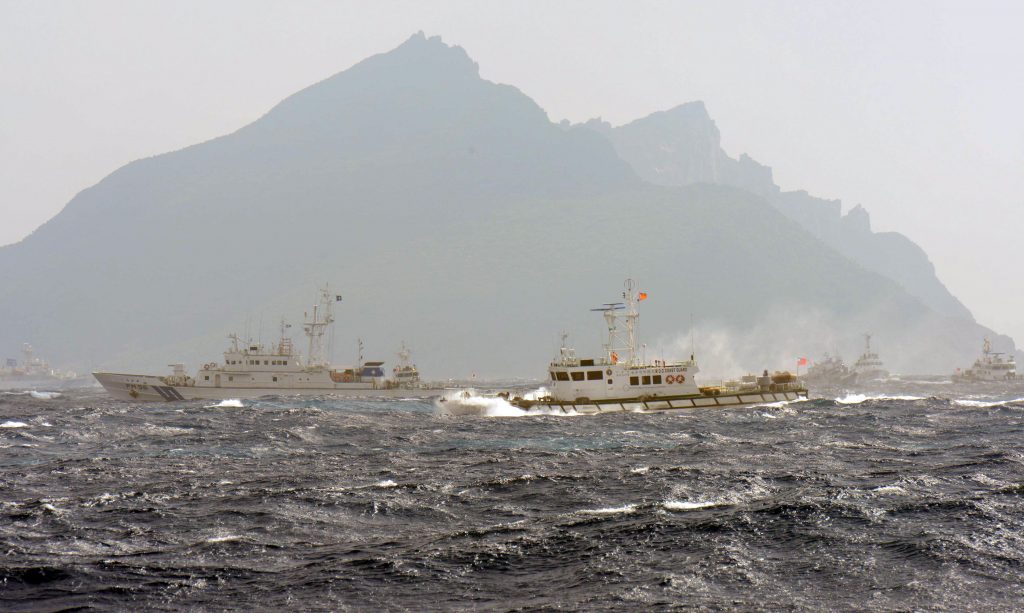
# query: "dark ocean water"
[[887, 503]]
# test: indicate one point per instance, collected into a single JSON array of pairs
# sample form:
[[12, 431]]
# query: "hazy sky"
[[913, 109]]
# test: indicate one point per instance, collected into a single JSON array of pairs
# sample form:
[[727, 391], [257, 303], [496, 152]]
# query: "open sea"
[[903, 499]]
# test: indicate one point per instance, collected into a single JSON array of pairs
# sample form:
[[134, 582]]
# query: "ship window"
[[656, 379], [647, 379], [577, 376], [586, 362], [207, 377], [609, 381], [275, 378], [594, 375], [286, 362], [563, 376], [265, 362], [231, 378], [553, 377], [634, 380]]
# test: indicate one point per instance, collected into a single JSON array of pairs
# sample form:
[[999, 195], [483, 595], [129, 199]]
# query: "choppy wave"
[[233, 403], [861, 398], [472, 402], [986, 404], [892, 501]]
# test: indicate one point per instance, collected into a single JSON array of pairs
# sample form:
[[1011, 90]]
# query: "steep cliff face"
[[682, 146], [450, 213]]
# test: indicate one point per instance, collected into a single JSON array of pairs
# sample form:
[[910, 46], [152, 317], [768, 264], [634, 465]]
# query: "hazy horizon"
[[910, 110]]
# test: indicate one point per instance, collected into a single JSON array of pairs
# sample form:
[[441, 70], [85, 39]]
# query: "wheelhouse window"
[[647, 379], [634, 380], [563, 376], [656, 379], [553, 376], [578, 375], [594, 375]]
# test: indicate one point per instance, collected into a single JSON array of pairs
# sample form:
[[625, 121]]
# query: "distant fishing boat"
[[620, 381]]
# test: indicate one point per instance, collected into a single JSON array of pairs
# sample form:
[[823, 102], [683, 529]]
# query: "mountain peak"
[[430, 52]]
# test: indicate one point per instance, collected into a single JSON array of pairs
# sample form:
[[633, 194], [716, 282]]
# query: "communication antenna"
[[692, 344]]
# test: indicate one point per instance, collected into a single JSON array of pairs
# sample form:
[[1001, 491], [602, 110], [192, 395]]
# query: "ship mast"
[[622, 340], [316, 327]]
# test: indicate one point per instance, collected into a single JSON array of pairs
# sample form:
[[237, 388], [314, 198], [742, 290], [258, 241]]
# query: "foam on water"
[[470, 402], [45, 395], [987, 404], [232, 403], [860, 398], [629, 508], [689, 505], [13, 424]]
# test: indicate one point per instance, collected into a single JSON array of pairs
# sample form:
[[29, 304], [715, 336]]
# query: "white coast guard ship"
[[992, 366], [621, 381], [253, 370], [868, 366]]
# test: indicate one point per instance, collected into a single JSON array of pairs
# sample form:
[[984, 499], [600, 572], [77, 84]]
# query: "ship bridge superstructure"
[[620, 372]]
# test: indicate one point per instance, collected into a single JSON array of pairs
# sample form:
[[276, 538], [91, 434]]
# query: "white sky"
[[913, 109]]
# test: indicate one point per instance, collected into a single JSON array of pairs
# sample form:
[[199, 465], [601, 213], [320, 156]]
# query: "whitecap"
[[889, 489], [640, 470], [986, 404], [689, 505], [385, 483], [231, 403], [469, 402], [859, 398], [13, 424], [223, 539], [629, 508], [45, 395]]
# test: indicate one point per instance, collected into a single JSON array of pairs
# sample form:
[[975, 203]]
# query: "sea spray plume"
[[470, 402], [773, 342]]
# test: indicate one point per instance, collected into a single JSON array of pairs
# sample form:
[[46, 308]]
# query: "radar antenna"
[[317, 325]]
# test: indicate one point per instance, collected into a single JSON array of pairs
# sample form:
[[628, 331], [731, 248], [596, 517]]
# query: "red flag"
[[642, 296], [801, 361]]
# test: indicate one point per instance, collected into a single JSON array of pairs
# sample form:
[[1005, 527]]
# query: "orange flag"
[[642, 296]]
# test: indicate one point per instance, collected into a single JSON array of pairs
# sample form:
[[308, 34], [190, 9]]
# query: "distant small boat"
[[868, 366], [992, 366], [831, 370], [33, 373]]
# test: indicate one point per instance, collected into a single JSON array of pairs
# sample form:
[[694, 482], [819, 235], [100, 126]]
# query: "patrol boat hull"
[[152, 388], [658, 405]]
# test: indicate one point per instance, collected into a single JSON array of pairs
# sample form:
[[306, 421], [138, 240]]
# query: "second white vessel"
[[251, 370]]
